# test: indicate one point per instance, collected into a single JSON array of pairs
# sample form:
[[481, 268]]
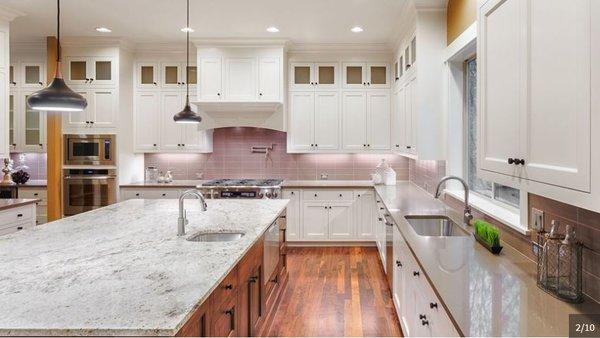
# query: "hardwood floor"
[[339, 291]]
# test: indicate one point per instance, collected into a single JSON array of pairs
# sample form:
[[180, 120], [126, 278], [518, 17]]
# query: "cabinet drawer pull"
[[511, 160], [253, 280], [341, 195], [228, 287], [315, 195], [164, 194], [229, 312], [19, 215], [19, 228], [380, 219], [424, 322], [521, 161], [416, 273], [433, 305], [35, 194], [138, 194], [398, 263], [422, 316]]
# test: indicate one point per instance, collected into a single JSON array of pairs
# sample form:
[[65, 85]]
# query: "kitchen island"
[[122, 269]]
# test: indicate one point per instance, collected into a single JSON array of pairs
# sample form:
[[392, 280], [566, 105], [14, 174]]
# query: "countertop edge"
[[20, 202]]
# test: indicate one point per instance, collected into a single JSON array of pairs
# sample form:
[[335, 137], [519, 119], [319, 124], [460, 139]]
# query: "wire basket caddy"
[[559, 265]]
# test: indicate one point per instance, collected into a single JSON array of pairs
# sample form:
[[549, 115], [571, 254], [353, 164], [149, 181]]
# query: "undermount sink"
[[216, 237], [440, 226]]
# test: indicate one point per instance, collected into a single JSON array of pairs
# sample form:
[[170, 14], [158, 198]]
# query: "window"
[[494, 191]]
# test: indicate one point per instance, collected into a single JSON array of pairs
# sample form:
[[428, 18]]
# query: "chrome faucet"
[[182, 221], [468, 215]]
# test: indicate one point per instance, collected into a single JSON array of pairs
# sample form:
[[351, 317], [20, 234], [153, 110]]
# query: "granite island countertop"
[[486, 295], [9, 203], [122, 269]]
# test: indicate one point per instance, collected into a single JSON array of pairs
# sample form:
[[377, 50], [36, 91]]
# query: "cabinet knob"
[[35, 194], [218, 94], [316, 145], [315, 195], [364, 83], [163, 195], [364, 145], [259, 94], [228, 287], [341, 195], [398, 263], [154, 145], [154, 83], [397, 78], [20, 215], [291, 193], [229, 312], [424, 322], [433, 305], [91, 80], [416, 273], [422, 316], [138, 194], [368, 83], [19, 228], [41, 145], [380, 219], [408, 147], [253, 279], [368, 145], [521, 161], [511, 160], [40, 83]]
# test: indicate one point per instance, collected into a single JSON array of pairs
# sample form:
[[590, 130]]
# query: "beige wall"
[[460, 15]]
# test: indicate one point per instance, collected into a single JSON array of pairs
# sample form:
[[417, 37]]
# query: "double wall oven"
[[89, 174]]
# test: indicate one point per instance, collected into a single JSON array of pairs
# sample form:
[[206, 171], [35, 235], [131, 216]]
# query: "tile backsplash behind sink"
[[232, 158]]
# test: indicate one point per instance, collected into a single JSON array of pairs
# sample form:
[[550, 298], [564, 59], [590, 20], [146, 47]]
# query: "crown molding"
[[9, 14], [97, 41], [240, 42], [373, 47], [34, 45], [431, 5], [408, 20]]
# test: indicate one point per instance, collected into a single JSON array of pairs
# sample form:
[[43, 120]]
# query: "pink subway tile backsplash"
[[231, 158], [36, 163]]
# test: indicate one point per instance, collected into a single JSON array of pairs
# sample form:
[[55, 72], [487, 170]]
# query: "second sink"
[[440, 226], [216, 237]]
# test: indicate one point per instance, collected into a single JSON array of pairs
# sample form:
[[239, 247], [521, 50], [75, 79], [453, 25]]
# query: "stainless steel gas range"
[[241, 188]]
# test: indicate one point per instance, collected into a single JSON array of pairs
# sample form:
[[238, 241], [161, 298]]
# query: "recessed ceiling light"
[[356, 29], [272, 29], [103, 30], [187, 30]]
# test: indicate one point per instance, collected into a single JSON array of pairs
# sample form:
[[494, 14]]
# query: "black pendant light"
[[187, 115], [57, 96]]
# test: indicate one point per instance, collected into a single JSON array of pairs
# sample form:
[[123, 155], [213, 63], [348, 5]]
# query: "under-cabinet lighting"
[[356, 29], [272, 29], [103, 30]]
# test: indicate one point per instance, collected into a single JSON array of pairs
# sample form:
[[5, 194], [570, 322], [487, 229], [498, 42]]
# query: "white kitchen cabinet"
[[40, 193], [398, 273], [293, 230], [354, 119], [13, 76], [32, 75], [90, 71], [210, 86], [269, 75], [170, 132], [340, 221], [27, 127], [364, 207], [100, 113], [399, 119], [361, 75], [146, 75], [128, 193], [240, 79], [314, 120], [524, 115], [147, 121], [16, 219], [366, 120], [315, 221], [314, 76], [411, 115], [171, 75]]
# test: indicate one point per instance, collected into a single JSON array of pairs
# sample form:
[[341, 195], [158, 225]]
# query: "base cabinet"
[[293, 214], [244, 303]]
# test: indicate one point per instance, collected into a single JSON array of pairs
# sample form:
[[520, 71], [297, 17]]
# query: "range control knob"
[[268, 194], [261, 195], [274, 194]]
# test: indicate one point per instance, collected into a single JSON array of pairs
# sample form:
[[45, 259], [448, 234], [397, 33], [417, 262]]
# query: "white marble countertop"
[[326, 184], [9, 203], [486, 295], [122, 269]]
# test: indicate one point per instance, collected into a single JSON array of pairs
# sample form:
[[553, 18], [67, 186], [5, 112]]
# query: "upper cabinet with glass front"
[[27, 75], [90, 71], [360, 75], [314, 76]]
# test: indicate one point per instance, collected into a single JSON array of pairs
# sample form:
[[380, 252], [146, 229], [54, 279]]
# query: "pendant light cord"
[[58, 31], [187, 55]]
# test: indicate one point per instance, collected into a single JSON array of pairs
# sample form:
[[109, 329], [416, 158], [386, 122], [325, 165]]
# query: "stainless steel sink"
[[216, 237], [440, 226]]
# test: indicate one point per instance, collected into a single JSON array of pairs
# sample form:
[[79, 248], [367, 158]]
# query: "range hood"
[[260, 114]]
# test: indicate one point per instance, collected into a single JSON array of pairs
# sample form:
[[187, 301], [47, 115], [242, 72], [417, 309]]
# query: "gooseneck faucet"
[[182, 221], [468, 215]]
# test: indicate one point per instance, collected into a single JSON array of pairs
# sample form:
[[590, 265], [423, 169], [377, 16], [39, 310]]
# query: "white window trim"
[[454, 56]]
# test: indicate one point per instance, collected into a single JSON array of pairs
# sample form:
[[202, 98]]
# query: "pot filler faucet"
[[182, 221], [468, 216]]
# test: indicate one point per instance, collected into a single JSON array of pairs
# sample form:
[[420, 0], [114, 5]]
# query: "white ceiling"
[[142, 21]]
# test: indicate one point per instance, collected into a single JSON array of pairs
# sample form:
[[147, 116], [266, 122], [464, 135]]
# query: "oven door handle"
[[69, 177]]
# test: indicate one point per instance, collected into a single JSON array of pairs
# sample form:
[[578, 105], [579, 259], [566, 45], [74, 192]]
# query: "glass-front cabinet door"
[[354, 75], [302, 76], [191, 76], [12, 76], [90, 71], [103, 71], [378, 76], [147, 75], [12, 122], [33, 75], [326, 75], [171, 75], [33, 127], [77, 71]]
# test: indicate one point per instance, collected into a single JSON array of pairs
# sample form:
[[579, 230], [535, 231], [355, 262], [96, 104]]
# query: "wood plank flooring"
[[336, 291]]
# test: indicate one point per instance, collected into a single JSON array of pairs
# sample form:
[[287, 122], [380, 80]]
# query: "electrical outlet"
[[537, 219]]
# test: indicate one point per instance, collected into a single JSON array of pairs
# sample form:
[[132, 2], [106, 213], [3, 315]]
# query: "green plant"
[[487, 232]]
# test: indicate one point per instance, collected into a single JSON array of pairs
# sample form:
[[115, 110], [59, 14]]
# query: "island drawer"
[[227, 289], [10, 217], [328, 195], [224, 319], [14, 228], [34, 193]]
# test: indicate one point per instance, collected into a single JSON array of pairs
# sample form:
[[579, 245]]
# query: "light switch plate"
[[537, 219]]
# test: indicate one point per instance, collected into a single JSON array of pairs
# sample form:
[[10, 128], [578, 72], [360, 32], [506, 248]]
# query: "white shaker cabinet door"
[[269, 79], [365, 215], [378, 120], [211, 79], [500, 84], [240, 79], [559, 116], [302, 111], [293, 230], [340, 221], [315, 221], [327, 120], [354, 110], [147, 121], [170, 131], [104, 111]]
